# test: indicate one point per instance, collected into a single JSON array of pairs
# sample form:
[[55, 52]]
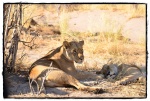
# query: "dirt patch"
[[18, 87], [103, 20]]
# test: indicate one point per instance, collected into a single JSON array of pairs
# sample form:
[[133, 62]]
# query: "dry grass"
[[110, 43], [63, 23], [99, 47], [115, 48], [132, 10], [119, 51]]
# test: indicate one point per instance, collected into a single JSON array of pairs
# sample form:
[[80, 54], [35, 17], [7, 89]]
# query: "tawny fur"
[[124, 74], [65, 73]]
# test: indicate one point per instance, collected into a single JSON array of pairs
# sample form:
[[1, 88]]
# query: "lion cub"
[[124, 74]]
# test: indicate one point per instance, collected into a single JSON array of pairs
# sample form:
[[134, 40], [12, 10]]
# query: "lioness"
[[63, 59], [124, 74]]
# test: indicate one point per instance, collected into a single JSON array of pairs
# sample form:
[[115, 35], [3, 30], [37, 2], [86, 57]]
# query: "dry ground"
[[19, 87], [97, 51]]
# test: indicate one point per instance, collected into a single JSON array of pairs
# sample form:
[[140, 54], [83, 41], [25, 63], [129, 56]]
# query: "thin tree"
[[13, 22]]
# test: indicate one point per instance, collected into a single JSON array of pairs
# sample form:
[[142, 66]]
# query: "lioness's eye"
[[81, 50]]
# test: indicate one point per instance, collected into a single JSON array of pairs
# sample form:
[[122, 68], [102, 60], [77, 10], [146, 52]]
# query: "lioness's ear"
[[103, 70], [66, 44], [81, 43]]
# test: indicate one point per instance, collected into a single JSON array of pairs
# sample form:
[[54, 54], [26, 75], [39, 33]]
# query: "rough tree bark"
[[15, 24], [6, 19]]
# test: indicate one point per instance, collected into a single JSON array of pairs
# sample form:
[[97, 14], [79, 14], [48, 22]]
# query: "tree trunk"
[[16, 26]]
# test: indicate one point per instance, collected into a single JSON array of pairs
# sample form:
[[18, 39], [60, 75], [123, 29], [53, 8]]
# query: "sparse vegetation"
[[100, 45]]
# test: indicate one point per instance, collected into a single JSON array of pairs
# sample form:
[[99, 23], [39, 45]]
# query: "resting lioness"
[[123, 73], [65, 73]]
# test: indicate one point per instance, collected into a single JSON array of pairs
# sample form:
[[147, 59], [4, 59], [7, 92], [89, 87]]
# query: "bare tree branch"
[[30, 19], [6, 26], [40, 84], [24, 42], [26, 6], [15, 23]]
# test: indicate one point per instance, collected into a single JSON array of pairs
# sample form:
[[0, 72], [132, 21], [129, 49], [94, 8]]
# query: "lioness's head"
[[73, 51], [109, 71]]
